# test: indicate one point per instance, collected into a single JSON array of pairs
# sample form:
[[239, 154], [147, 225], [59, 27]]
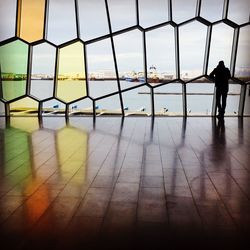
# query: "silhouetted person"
[[221, 75]]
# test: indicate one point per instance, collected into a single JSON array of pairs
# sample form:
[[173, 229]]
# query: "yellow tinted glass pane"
[[71, 82], [31, 19]]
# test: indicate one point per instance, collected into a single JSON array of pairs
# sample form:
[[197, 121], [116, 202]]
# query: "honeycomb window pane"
[[130, 58], [221, 45], [2, 109], [200, 97], [242, 69], [71, 81], [137, 101], [183, 10], [31, 19], [53, 107], [148, 10], [61, 21], [13, 59], [212, 10], [239, 11], [42, 74], [192, 46], [90, 26], [160, 55], [83, 107], [168, 99], [233, 99], [101, 69], [122, 13], [7, 19], [109, 105], [24, 106]]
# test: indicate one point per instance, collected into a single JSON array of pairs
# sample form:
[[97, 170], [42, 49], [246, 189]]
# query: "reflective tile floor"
[[133, 183]]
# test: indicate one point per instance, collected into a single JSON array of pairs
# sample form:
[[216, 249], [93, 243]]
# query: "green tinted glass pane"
[[24, 106], [71, 82], [2, 109], [13, 59]]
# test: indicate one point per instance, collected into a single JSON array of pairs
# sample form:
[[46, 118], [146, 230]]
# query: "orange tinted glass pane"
[[31, 19]]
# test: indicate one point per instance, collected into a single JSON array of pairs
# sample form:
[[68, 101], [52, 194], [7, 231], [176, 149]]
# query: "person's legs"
[[218, 97], [224, 103]]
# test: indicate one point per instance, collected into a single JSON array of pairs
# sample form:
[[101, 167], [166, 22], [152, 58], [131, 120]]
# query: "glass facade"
[[122, 57]]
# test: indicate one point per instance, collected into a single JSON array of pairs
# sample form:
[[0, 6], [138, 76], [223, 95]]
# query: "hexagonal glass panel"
[[238, 11], [122, 14], [183, 10], [31, 19], [83, 107], [168, 99], [7, 19], [242, 68], [61, 21], [101, 69], [192, 49], [42, 72], [13, 60], [108, 106], [148, 10], [71, 78], [160, 55], [233, 99], [247, 101], [212, 10], [200, 97], [53, 107], [130, 58], [221, 45], [91, 26], [137, 101], [24, 106], [2, 109]]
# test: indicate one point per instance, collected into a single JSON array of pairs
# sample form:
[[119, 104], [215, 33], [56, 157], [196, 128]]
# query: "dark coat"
[[221, 75]]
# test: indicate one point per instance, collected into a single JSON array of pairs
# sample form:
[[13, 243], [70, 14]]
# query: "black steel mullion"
[[46, 17], [243, 91], [77, 18], [1, 85], [86, 69], [207, 49], [29, 69], [114, 58], [177, 52], [56, 72], [214, 103], [137, 12], [198, 8], [7, 109], [234, 51], [184, 99], [225, 9], [18, 17], [152, 101], [170, 15]]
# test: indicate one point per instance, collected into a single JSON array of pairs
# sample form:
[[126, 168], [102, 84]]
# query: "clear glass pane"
[[233, 99], [2, 108], [148, 10], [71, 82], [7, 18], [239, 11], [168, 99], [242, 69], [53, 107], [61, 21], [192, 49], [101, 69], [122, 14], [200, 97], [13, 60], [160, 55], [31, 19], [183, 10], [83, 107], [42, 74], [90, 26], [212, 10], [221, 45], [25, 106], [137, 101], [130, 58], [109, 105]]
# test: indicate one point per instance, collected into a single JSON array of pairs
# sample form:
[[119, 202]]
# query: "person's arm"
[[212, 74]]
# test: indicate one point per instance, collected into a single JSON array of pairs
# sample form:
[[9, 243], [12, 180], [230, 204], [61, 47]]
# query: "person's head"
[[221, 64]]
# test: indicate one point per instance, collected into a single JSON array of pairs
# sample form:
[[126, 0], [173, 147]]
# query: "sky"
[[129, 47]]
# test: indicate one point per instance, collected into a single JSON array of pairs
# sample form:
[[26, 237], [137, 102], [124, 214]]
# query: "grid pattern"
[[29, 35]]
